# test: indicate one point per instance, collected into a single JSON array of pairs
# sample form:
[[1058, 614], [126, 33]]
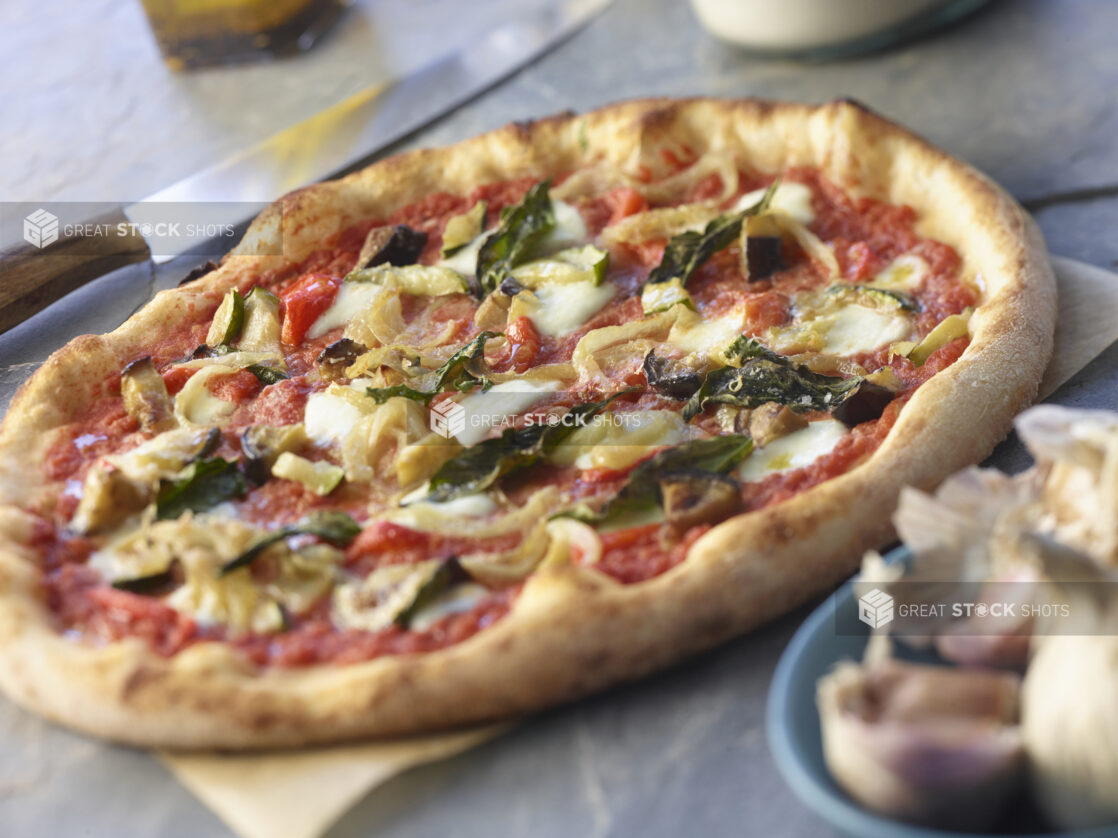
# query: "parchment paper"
[[301, 794]]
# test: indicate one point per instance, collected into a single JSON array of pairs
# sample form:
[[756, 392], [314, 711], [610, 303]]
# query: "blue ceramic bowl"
[[792, 722]]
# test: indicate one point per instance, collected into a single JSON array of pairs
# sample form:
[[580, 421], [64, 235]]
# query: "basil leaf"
[[744, 347], [641, 492], [453, 371], [456, 363], [332, 525], [204, 484], [762, 379], [480, 466], [265, 374], [521, 228], [383, 394], [686, 252]]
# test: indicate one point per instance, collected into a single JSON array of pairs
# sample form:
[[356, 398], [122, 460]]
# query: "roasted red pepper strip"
[[304, 302]]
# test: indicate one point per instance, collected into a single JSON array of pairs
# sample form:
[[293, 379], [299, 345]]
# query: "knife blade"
[[182, 217]]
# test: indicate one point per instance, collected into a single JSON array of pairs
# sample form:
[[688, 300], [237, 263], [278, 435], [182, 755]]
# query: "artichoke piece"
[[399, 245], [446, 574], [463, 229], [421, 280], [108, 499], [146, 398], [261, 332], [671, 378], [871, 296], [319, 476], [304, 576], [335, 358], [228, 319], [762, 248], [773, 420], [927, 744], [393, 594], [699, 497], [263, 444]]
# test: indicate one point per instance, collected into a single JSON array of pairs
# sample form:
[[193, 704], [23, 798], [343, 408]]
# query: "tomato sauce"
[[865, 236]]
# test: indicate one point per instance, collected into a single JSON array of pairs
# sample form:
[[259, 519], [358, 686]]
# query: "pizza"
[[480, 429]]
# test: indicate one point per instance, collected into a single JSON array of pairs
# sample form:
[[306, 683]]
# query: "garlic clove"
[[926, 744], [1069, 699]]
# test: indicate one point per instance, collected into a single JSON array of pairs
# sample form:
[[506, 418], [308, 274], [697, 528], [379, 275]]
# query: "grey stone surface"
[[1024, 90]]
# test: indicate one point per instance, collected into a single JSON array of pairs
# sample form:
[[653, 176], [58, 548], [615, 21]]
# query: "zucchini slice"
[[575, 264], [660, 296], [228, 319]]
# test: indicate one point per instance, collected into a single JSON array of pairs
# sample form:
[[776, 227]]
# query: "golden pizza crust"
[[573, 630]]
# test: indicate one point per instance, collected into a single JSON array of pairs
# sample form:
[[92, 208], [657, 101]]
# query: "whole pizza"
[[484, 428]]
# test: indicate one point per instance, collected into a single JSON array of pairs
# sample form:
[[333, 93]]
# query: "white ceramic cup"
[[798, 25]]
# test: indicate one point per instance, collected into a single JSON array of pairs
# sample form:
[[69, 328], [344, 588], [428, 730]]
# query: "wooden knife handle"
[[32, 278]]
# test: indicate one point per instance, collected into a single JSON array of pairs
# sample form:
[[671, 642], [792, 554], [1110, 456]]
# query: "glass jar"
[[200, 33]]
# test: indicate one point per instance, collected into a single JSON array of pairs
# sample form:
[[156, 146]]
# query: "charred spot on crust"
[[199, 272]]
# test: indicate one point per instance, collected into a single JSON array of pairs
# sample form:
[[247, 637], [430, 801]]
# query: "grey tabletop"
[[1023, 90]]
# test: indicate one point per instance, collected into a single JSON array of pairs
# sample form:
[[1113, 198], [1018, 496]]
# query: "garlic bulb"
[[926, 744], [1077, 452], [1069, 698], [1070, 728]]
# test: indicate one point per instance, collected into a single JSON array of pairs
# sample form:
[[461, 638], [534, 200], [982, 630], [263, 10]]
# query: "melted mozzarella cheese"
[[796, 450], [457, 600], [854, 329], [710, 338], [905, 273], [569, 228], [791, 198], [485, 411], [331, 414], [465, 260], [563, 307], [423, 514], [353, 299]]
